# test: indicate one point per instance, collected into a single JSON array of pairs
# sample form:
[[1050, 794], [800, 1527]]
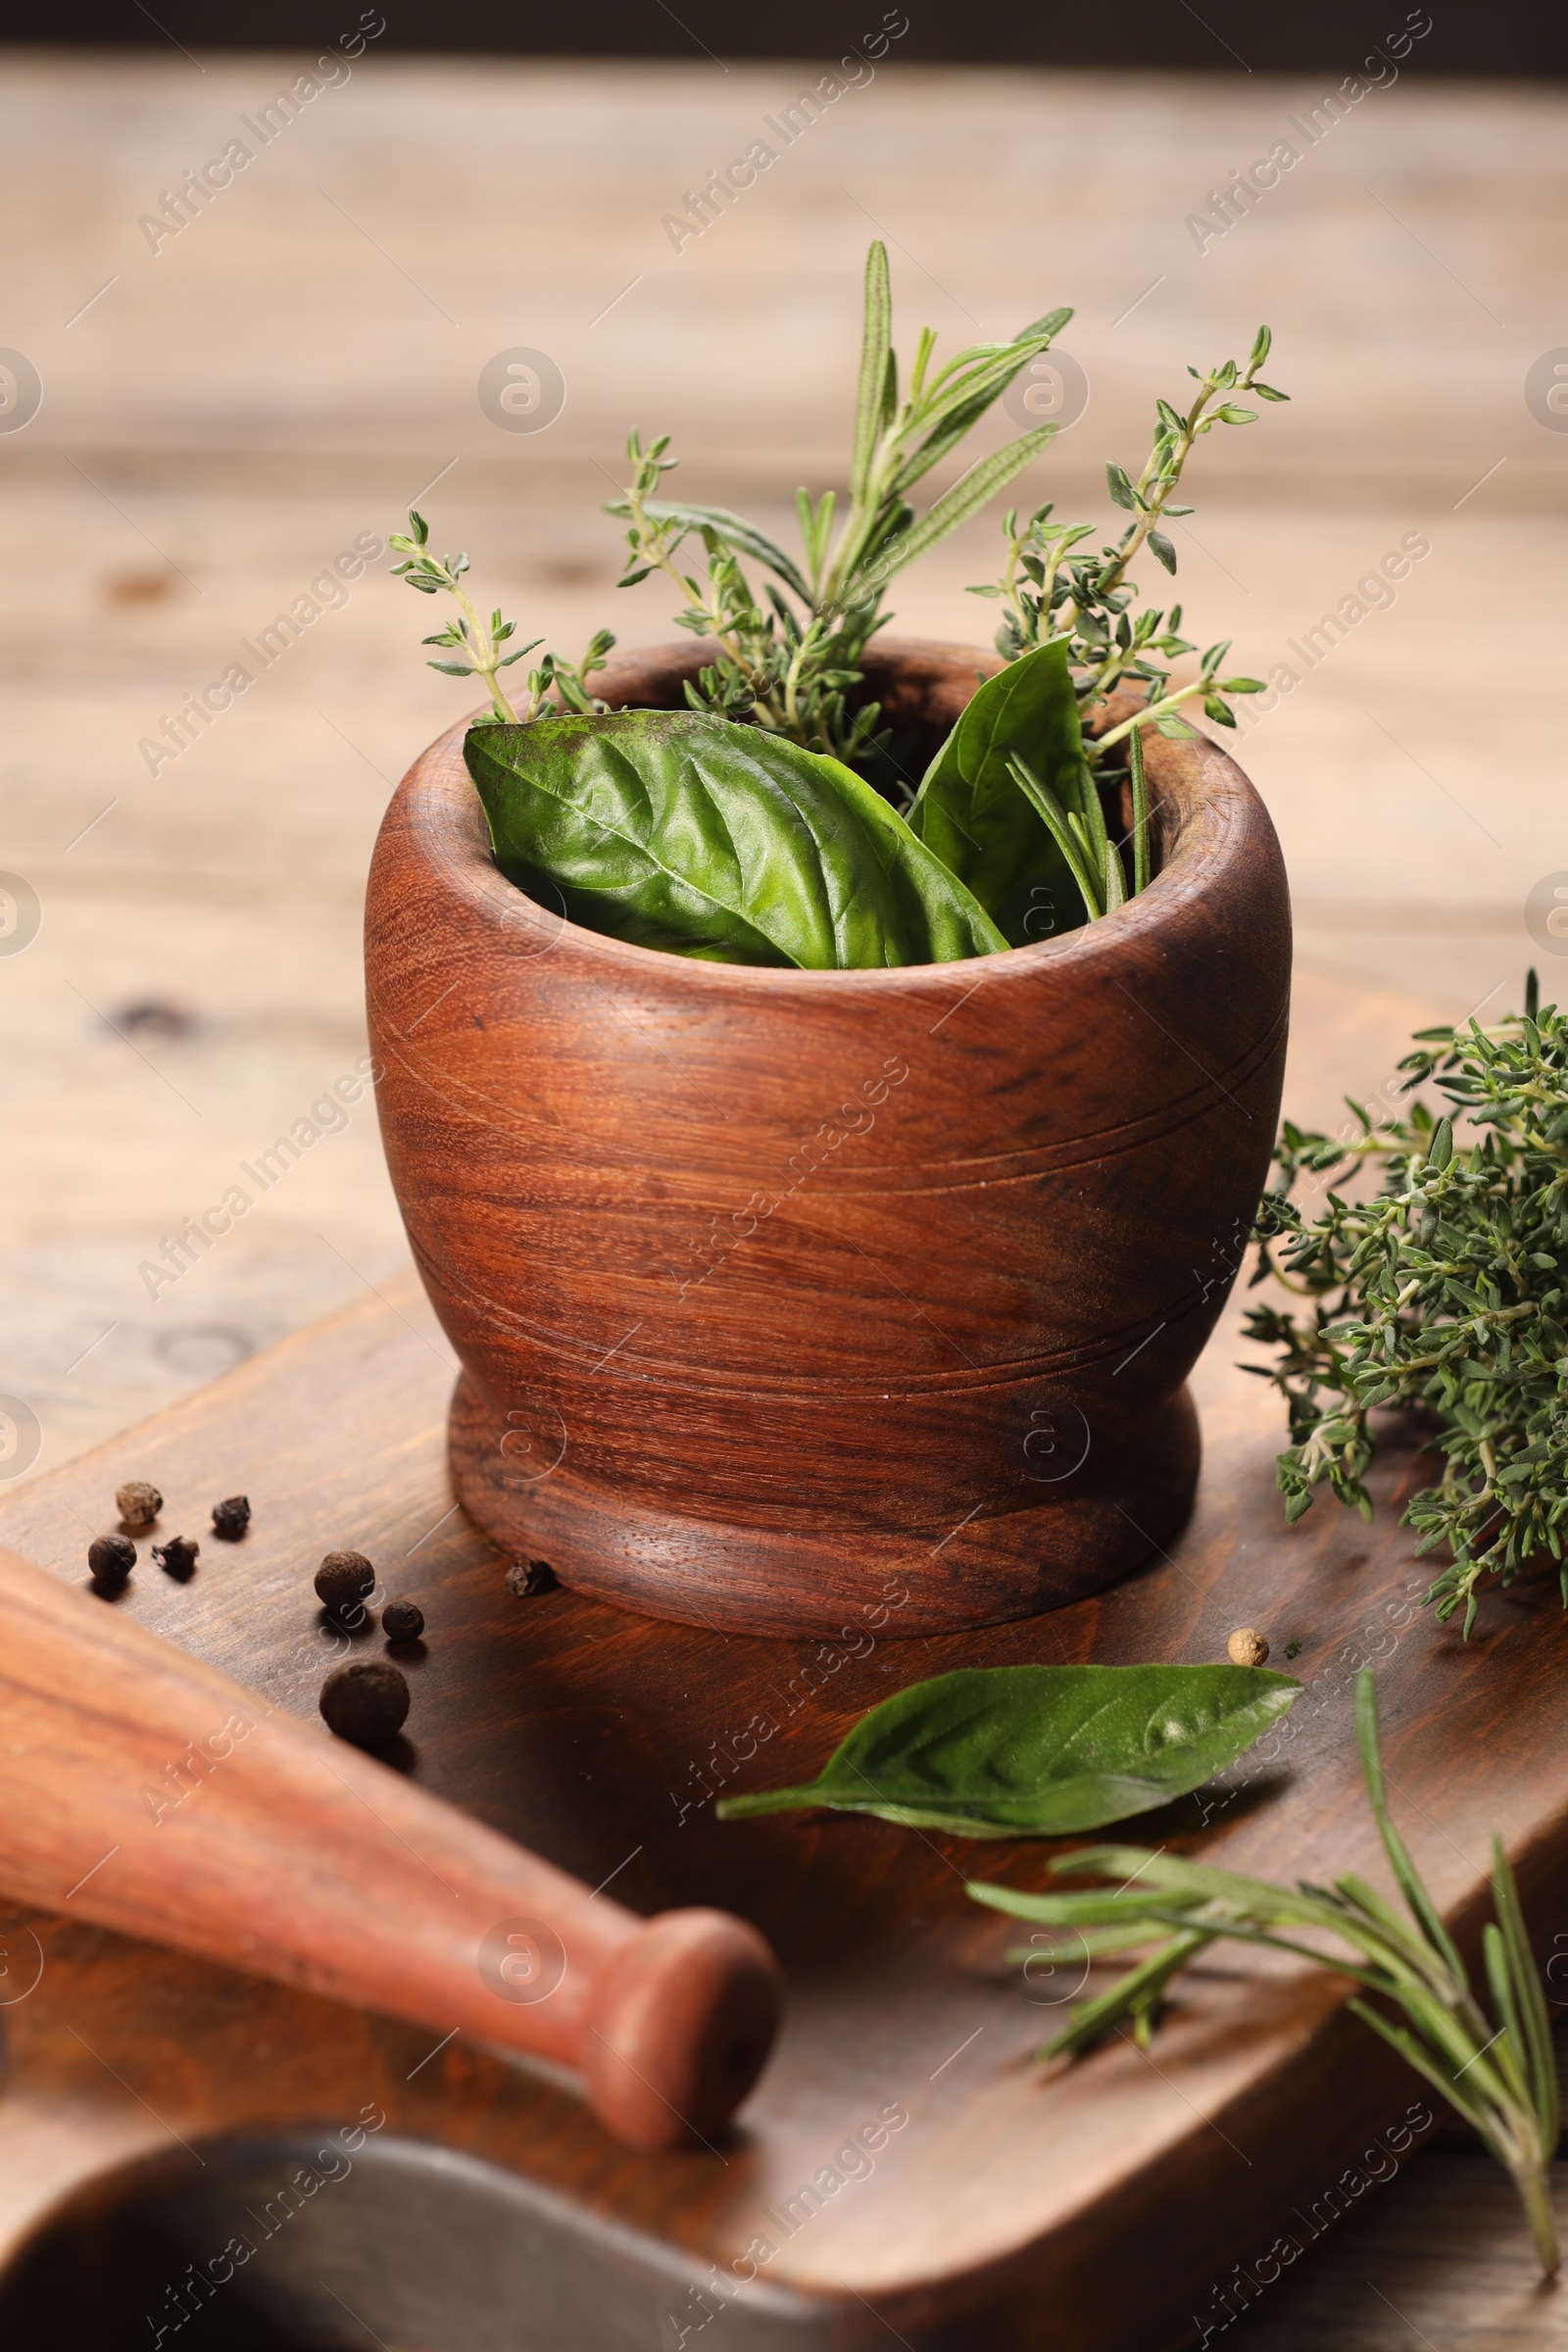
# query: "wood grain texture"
[[307, 1862], [1087, 2208], [758, 1276]]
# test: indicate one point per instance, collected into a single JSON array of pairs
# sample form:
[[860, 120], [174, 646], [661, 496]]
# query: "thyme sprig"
[[555, 680], [1444, 1292], [1497, 2070], [789, 671], [1049, 591]]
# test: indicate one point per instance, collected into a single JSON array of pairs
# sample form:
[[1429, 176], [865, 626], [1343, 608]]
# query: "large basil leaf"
[[971, 810], [1010, 1752], [687, 833]]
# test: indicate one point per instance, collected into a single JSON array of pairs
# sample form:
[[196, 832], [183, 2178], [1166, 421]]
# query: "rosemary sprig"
[[1444, 1292], [554, 679], [790, 659], [1497, 2071]]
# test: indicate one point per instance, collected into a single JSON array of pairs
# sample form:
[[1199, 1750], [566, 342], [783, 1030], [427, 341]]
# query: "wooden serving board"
[[906, 2170]]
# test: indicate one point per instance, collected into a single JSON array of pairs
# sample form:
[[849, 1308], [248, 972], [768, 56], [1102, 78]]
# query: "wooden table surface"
[[1089, 2206]]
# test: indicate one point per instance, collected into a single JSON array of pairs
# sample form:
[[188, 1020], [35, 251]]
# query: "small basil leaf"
[[690, 834], [971, 811], [1010, 1752]]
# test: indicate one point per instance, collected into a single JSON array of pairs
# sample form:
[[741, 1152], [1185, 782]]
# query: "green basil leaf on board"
[[1014, 1751], [690, 834], [973, 813]]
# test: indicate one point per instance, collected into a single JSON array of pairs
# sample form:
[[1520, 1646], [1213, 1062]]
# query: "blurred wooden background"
[[221, 417], [230, 410]]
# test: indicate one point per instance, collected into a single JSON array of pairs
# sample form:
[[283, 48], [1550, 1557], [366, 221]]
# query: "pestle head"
[[678, 2025]]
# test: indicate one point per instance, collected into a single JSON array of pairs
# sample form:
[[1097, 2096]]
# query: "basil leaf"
[[973, 813], [1009, 1751], [684, 832]]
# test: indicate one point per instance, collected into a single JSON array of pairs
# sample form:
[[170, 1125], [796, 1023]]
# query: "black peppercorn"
[[402, 1621], [529, 1578], [231, 1518], [111, 1559], [139, 1504], [365, 1701], [178, 1558], [342, 1583]]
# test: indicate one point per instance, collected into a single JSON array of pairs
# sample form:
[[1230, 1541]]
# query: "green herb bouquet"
[[775, 822]]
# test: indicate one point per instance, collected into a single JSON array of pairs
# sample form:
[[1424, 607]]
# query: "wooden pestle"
[[273, 1846]]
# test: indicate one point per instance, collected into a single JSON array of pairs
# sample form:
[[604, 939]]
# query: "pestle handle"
[[148, 1792]]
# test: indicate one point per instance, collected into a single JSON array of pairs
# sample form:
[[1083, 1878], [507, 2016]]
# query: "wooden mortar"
[[801, 1301]]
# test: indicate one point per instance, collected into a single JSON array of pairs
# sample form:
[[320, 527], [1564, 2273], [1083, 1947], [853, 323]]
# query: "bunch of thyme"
[[1497, 2072], [556, 681], [1445, 1292], [1052, 592]]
